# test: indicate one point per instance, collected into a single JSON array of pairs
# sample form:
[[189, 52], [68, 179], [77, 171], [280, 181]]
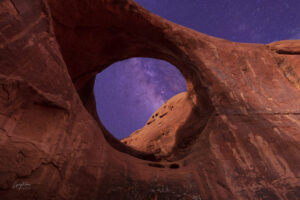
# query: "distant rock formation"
[[239, 139], [171, 130]]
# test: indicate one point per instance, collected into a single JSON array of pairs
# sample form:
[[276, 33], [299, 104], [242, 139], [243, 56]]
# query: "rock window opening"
[[129, 92]]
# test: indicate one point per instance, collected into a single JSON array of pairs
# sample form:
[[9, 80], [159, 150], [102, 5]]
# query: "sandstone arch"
[[248, 95]]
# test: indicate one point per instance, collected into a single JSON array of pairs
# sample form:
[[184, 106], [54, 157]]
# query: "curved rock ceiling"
[[53, 146]]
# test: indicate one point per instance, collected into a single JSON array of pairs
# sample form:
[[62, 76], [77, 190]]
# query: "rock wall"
[[53, 146]]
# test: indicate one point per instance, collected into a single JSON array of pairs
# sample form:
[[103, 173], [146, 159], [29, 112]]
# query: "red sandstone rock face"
[[52, 145], [170, 131]]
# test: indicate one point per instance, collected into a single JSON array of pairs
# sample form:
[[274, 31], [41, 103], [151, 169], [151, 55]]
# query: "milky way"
[[128, 92]]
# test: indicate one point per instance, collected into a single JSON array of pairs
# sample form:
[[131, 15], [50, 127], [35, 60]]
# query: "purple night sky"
[[128, 92]]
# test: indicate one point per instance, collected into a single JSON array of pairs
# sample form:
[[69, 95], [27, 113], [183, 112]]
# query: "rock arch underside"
[[241, 139]]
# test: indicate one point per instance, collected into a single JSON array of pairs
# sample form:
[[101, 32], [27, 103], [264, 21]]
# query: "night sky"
[[128, 92]]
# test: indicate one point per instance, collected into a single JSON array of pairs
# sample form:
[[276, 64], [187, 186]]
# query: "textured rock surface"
[[170, 131], [52, 146]]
